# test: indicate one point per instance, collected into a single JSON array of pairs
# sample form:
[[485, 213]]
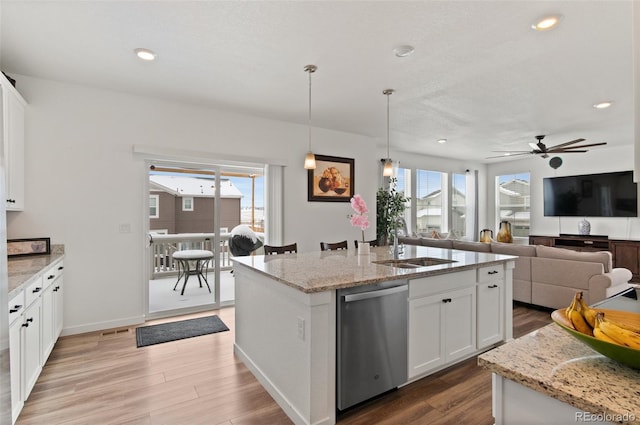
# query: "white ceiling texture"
[[480, 77]]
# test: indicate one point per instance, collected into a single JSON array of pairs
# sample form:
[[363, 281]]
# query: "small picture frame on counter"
[[31, 246]]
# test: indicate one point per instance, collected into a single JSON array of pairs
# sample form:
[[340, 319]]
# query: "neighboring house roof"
[[192, 186]]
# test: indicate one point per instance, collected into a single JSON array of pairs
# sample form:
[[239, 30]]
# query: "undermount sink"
[[413, 263]]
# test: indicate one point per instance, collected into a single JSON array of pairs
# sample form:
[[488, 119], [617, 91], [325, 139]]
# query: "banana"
[[574, 313], [588, 313], [598, 333], [620, 335]]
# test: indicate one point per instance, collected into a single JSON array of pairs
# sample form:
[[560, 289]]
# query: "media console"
[[625, 253]]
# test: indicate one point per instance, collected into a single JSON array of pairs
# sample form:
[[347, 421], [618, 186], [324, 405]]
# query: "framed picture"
[[23, 247], [332, 180]]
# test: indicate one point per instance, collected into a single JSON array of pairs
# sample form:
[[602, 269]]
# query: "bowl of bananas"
[[612, 333]]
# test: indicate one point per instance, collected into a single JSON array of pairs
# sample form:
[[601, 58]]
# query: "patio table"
[[184, 259]]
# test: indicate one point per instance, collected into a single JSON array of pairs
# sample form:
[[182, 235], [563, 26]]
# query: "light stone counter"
[[21, 270], [552, 362], [330, 270]]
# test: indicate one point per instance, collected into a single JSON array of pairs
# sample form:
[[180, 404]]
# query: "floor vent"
[[115, 331]]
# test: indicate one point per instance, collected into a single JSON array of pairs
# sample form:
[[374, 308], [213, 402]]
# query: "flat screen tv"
[[591, 195]]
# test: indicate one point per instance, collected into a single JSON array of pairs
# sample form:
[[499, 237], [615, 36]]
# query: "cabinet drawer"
[[444, 282], [51, 274], [33, 291], [16, 306], [491, 273]]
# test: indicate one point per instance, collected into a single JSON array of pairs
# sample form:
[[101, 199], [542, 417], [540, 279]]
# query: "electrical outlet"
[[125, 228], [301, 328]]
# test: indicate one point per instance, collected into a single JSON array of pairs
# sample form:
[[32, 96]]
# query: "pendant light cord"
[[388, 94], [309, 120]]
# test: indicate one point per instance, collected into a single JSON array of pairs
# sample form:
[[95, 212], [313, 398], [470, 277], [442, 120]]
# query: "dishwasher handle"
[[375, 294]]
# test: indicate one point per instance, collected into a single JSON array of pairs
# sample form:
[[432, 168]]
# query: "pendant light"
[[387, 171], [310, 158]]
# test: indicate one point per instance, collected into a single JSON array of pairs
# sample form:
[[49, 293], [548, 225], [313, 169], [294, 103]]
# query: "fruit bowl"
[[625, 355]]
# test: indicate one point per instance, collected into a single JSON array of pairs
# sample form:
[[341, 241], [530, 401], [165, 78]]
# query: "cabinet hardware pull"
[[11, 201], [25, 325], [493, 286], [15, 308], [36, 290], [61, 267], [446, 300], [30, 319], [493, 272], [51, 276], [56, 289]]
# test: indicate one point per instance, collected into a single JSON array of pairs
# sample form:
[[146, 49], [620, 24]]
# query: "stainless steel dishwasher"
[[371, 341]]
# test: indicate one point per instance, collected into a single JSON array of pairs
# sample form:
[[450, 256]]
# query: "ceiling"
[[480, 77]]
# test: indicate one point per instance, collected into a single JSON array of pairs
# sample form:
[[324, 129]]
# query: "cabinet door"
[[57, 306], [425, 334], [627, 255], [47, 323], [459, 323], [13, 120], [31, 346], [15, 364], [490, 313]]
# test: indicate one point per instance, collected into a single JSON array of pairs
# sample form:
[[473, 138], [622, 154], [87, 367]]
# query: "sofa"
[[548, 276]]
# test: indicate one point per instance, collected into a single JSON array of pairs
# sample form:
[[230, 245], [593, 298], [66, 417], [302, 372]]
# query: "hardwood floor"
[[102, 378]]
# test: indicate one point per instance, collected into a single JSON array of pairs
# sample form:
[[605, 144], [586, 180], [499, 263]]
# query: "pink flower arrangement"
[[360, 219]]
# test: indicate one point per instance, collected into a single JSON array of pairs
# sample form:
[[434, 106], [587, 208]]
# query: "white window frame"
[[157, 206], [185, 207]]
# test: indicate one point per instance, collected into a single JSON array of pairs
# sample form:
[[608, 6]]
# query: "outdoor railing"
[[163, 247]]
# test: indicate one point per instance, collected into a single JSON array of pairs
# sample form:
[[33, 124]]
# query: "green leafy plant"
[[390, 204]]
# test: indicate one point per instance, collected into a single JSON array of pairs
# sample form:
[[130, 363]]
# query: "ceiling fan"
[[544, 151]]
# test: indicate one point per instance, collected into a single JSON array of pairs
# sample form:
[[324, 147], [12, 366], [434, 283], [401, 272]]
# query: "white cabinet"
[[13, 112], [31, 366], [35, 317], [442, 326], [490, 329], [51, 308], [16, 307]]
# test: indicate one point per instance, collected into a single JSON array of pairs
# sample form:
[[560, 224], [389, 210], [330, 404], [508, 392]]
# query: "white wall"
[[597, 160], [83, 181]]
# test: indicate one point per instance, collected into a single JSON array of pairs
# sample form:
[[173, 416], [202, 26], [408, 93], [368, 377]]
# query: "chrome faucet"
[[402, 221]]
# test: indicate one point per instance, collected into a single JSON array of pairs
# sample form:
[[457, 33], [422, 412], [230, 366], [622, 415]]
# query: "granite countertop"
[[329, 270], [22, 270], [554, 363]]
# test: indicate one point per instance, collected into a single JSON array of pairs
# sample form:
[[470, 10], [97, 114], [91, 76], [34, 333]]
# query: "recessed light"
[[603, 105], [145, 54], [441, 141], [403, 51], [547, 23]]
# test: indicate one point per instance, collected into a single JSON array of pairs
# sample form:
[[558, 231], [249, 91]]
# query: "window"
[[458, 213], [187, 203], [154, 206], [429, 201], [513, 202], [403, 185]]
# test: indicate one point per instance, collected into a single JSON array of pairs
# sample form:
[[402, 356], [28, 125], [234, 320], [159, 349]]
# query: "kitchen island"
[[549, 377], [286, 316]]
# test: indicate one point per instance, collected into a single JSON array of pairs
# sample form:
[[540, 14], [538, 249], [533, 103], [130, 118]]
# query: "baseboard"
[[99, 326]]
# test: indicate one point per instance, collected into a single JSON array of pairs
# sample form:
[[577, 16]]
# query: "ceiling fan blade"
[[585, 146], [534, 146], [509, 155], [513, 151], [568, 151], [561, 145]]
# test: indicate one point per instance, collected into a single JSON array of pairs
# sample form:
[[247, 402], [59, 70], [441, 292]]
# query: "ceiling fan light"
[[387, 171], [442, 141], [546, 23]]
